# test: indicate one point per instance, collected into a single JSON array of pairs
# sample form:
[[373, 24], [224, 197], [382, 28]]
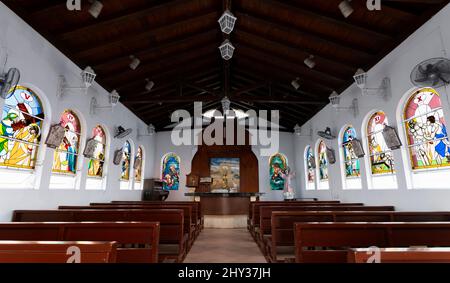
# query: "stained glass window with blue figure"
[[351, 161], [21, 129], [66, 155], [171, 172], [278, 166], [126, 161], [323, 161], [424, 120]]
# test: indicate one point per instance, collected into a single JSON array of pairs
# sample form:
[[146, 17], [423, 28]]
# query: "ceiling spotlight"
[[296, 83], [96, 8], [227, 21], [135, 62], [310, 62], [226, 50], [346, 8], [149, 86]]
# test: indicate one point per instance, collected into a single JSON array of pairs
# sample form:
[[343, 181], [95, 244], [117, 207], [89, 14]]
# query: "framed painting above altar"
[[225, 174]]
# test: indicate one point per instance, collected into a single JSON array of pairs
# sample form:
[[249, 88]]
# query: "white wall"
[[40, 64], [423, 44], [186, 153]]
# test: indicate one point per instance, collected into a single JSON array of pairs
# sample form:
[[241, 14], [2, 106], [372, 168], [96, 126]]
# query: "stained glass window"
[[352, 164], [96, 164], [381, 157], [138, 165], [66, 155], [424, 120], [126, 161], [171, 172], [21, 129], [310, 170], [278, 166], [323, 161]]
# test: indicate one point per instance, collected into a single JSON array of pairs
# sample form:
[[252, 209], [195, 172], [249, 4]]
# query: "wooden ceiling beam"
[[196, 69], [328, 66], [247, 68], [116, 18], [85, 49], [302, 40], [151, 69], [291, 14], [306, 76], [151, 52]]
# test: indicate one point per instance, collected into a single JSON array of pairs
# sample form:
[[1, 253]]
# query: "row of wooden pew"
[[137, 232], [325, 231]]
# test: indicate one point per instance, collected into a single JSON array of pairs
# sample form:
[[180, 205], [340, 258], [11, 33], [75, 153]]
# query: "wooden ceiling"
[[177, 42]]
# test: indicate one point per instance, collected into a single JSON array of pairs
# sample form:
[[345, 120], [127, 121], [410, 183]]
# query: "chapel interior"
[[224, 131]]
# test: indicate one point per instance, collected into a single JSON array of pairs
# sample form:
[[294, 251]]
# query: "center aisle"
[[225, 246]]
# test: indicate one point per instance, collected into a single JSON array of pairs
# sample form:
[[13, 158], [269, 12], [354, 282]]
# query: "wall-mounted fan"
[[326, 134], [433, 72], [9, 82], [121, 132]]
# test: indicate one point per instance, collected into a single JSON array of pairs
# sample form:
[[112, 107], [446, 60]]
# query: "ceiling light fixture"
[[227, 21], [135, 62], [310, 62], [226, 50], [96, 8], [346, 8]]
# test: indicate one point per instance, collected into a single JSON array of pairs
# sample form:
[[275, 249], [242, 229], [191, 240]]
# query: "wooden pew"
[[172, 239], [400, 255], [336, 207], [189, 226], [329, 242], [255, 207], [252, 204], [280, 236], [137, 241], [196, 207], [56, 252]]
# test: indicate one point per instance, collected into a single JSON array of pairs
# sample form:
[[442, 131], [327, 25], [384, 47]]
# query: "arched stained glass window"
[[427, 138], [139, 159], [126, 161], [66, 155], [310, 165], [96, 164], [171, 172], [323, 161], [21, 129], [381, 157], [278, 165], [352, 164]]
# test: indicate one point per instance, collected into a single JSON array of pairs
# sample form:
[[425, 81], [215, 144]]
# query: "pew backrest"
[[57, 252], [126, 234], [329, 242], [399, 255]]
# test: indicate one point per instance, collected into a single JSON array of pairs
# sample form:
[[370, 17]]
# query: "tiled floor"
[[225, 246]]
